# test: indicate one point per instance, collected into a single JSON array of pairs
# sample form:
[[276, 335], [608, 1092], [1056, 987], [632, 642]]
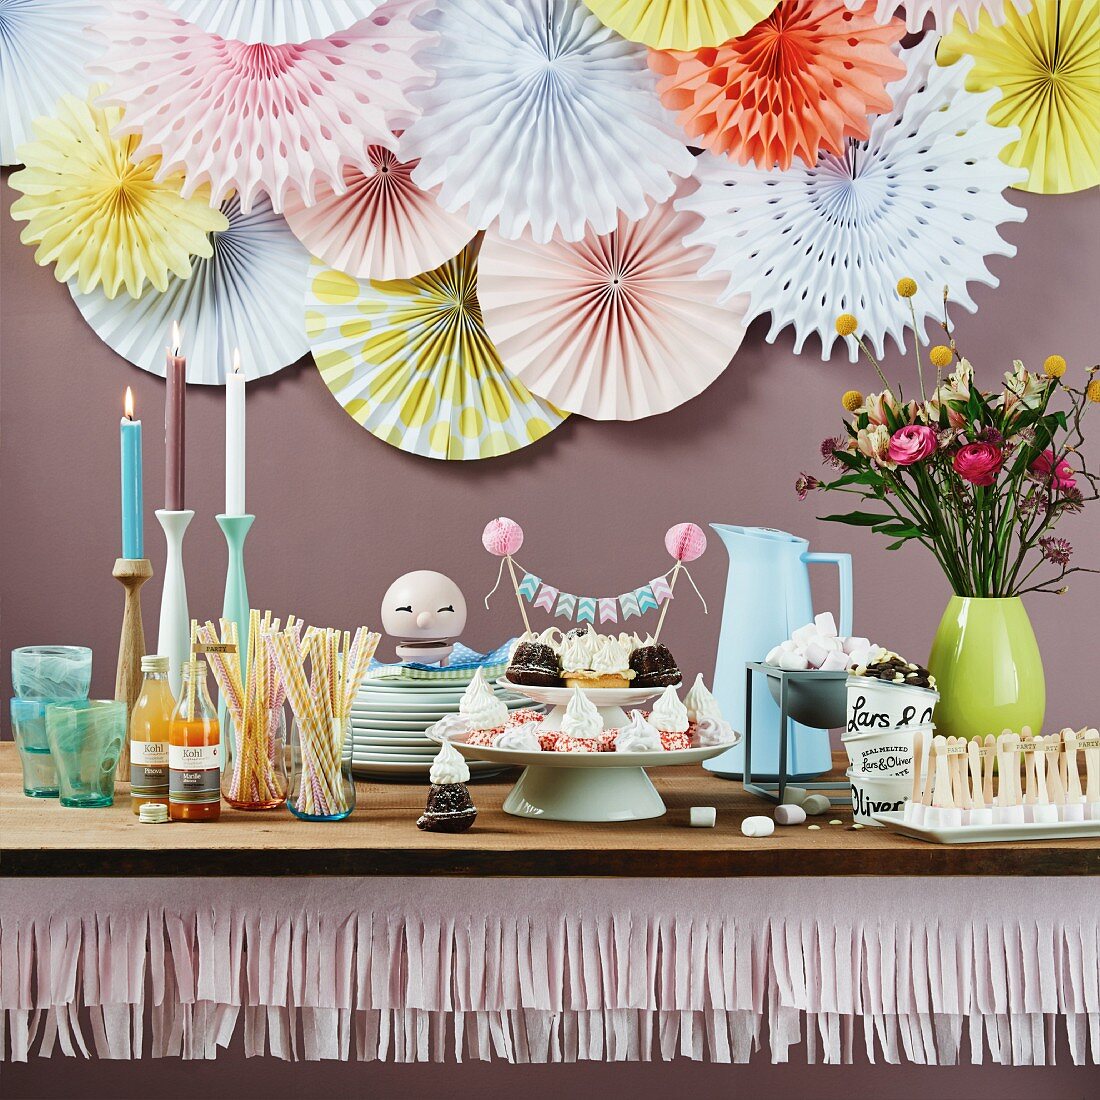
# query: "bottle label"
[[194, 774], [149, 768]]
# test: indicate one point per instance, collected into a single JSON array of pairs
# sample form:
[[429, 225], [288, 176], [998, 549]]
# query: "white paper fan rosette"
[[257, 118], [273, 21], [382, 227], [616, 327], [248, 295], [43, 50], [921, 197], [411, 362], [540, 118]]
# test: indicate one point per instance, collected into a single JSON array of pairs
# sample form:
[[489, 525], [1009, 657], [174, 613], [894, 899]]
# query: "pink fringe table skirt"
[[547, 970]]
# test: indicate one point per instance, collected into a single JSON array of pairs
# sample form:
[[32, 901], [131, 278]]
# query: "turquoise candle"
[[133, 540]]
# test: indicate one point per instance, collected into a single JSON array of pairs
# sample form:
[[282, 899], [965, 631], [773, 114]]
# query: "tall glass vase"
[[988, 669]]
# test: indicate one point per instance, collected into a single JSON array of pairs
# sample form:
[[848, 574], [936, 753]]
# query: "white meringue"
[[712, 731], [449, 766], [449, 726], [582, 719], [669, 715], [638, 735], [519, 738], [700, 703], [480, 707]]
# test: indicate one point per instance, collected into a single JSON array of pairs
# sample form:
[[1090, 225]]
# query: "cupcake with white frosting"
[[591, 660]]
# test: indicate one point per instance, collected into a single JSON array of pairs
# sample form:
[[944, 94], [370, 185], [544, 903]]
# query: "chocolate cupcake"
[[450, 808], [535, 661], [654, 666]]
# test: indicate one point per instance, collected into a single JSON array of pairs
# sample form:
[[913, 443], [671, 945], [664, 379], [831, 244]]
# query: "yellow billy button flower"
[[907, 287], [940, 356], [1092, 391], [846, 324], [1054, 366], [852, 400]]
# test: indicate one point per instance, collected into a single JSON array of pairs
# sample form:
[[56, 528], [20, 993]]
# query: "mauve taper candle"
[[174, 413]]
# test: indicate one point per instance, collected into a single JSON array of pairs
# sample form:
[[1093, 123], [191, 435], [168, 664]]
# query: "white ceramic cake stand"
[[586, 786], [608, 701]]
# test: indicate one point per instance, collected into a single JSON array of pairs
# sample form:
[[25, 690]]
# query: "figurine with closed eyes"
[[424, 612]]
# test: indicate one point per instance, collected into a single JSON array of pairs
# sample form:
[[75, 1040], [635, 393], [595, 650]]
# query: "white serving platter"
[[989, 834]]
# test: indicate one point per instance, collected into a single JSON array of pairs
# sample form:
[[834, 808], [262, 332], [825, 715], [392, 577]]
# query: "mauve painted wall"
[[340, 514]]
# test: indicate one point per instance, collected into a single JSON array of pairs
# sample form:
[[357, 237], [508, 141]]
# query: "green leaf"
[[901, 530], [858, 519]]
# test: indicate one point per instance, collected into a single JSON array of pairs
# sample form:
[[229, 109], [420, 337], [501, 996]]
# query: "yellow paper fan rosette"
[[681, 24], [411, 362], [1047, 65], [97, 216]]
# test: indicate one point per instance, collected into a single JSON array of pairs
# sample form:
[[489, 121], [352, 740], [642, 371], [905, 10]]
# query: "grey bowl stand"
[[774, 791]]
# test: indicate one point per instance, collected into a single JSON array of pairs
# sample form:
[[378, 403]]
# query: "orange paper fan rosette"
[[796, 84]]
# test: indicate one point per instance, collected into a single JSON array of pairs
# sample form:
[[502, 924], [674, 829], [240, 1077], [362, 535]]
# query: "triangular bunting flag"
[[546, 597], [567, 604], [586, 609], [529, 586], [646, 600], [629, 603], [661, 589], [609, 610]]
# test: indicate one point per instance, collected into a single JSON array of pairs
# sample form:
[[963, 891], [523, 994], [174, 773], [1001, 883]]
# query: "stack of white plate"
[[388, 720]]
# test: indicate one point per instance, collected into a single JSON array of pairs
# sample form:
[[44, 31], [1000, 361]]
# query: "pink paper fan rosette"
[[383, 226], [254, 117], [916, 12], [799, 82], [615, 327]]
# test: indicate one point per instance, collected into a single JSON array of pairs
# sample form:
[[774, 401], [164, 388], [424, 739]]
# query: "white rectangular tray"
[[988, 834]]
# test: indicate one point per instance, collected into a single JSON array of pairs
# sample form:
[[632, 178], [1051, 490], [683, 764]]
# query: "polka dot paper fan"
[[923, 197], [273, 21], [1047, 64], [411, 362]]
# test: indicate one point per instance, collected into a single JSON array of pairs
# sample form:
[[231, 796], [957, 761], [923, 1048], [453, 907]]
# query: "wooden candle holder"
[[132, 573]]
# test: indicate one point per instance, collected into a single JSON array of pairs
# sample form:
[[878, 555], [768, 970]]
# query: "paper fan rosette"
[[273, 21], [383, 226], [797, 83], [247, 295], [99, 217], [410, 360], [615, 327], [541, 120], [921, 197], [43, 50], [255, 118], [942, 12], [681, 24], [1047, 64]]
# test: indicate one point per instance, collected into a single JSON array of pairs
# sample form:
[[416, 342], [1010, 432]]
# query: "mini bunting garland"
[[684, 542]]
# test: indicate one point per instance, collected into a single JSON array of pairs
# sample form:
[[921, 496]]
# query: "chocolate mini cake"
[[450, 809], [535, 663], [654, 666], [896, 670]]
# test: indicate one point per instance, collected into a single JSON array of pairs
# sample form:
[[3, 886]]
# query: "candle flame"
[[177, 338], [128, 404], [236, 360]]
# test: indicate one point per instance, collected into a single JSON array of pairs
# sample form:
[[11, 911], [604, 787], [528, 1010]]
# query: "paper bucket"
[[876, 794], [880, 705], [885, 752]]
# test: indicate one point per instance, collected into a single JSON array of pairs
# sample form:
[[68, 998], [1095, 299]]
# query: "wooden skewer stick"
[[671, 589], [941, 794], [1073, 777], [989, 761], [519, 598], [974, 758], [918, 750]]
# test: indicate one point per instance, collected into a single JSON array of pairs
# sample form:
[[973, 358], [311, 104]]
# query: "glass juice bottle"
[[149, 735], [194, 751]]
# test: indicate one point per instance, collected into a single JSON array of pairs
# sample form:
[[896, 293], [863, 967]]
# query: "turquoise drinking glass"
[[51, 672], [28, 724], [85, 739]]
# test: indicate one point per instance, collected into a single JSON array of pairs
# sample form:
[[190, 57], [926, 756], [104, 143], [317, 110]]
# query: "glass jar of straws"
[[322, 787], [255, 776]]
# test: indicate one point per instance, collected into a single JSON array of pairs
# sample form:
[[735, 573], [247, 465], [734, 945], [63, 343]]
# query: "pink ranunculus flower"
[[978, 463], [1055, 470], [911, 444]]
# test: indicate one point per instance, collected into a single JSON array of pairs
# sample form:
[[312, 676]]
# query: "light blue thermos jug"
[[768, 596]]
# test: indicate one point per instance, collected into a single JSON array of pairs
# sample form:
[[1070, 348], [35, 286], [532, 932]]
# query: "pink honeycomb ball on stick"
[[502, 536], [685, 541]]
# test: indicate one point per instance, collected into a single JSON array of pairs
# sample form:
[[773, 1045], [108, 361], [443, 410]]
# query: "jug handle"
[[843, 562]]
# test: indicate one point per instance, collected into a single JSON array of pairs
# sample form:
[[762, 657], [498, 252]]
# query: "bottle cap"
[[154, 662], [153, 813]]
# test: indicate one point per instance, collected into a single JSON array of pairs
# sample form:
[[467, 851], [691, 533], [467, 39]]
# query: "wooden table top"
[[39, 837]]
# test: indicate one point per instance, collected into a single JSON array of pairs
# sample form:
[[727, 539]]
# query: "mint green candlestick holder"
[[235, 605]]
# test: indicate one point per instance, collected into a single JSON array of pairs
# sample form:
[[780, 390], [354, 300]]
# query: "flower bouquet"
[[981, 479]]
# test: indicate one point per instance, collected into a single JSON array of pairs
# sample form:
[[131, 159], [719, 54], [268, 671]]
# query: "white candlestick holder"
[[174, 635]]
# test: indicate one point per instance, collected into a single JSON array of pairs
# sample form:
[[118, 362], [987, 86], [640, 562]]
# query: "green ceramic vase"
[[987, 667]]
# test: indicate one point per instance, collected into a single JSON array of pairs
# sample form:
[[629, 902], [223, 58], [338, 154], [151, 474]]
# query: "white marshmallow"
[[833, 645], [773, 655], [789, 815], [758, 826], [825, 623], [804, 635], [815, 653], [793, 662], [702, 817], [853, 644], [816, 804], [794, 796], [834, 662]]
